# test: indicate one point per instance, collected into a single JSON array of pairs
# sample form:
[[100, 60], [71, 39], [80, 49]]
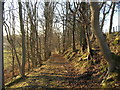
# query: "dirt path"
[[57, 72]]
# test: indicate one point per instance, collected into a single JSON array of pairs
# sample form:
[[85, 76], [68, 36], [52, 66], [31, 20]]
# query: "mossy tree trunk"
[[113, 65]]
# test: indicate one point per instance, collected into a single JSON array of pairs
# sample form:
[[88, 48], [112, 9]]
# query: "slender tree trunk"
[[28, 53], [89, 49], [13, 63], [13, 33], [73, 31], [38, 46], [48, 13], [59, 44], [40, 50], [84, 41], [23, 40], [1, 47], [64, 44], [10, 40], [81, 36]]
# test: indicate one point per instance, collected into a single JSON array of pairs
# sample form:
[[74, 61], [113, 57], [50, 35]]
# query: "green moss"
[[109, 81], [116, 41], [104, 85], [108, 84], [112, 75], [103, 67]]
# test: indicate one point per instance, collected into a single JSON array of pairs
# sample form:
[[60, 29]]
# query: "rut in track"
[[57, 72]]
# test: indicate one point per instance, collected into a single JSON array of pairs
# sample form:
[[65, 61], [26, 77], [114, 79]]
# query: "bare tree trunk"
[[1, 47], [40, 51], [73, 31], [28, 48], [23, 40], [84, 42], [48, 13], [81, 36], [89, 49], [10, 40], [67, 30], [13, 33], [64, 34], [59, 44], [33, 32], [13, 63], [101, 40], [46, 30]]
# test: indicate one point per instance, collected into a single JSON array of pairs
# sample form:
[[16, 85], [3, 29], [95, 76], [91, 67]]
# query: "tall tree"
[[74, 11], [110, 57], [65, 28], [12, 44], [48, 14], [28, 46], [1, 46], [23, 40], [32, 14], [13, 33]]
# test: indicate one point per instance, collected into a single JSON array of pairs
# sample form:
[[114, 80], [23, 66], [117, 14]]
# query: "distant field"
[[8, 59]]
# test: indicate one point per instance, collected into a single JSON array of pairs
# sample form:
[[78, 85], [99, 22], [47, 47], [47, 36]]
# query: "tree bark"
[[28, 46], [1, 47], [73, 31], [13, 33], [23, 40], [81, 36], [48, 14], [101, 40], [64, 34]]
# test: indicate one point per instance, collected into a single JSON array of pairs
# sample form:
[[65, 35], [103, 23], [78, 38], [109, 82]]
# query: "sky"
[[8, 5], [115, 21]]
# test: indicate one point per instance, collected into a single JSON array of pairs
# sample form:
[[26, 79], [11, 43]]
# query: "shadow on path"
[[57, 72]]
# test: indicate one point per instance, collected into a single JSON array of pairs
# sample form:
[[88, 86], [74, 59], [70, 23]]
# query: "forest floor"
[[72, 70], [57, 72]]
